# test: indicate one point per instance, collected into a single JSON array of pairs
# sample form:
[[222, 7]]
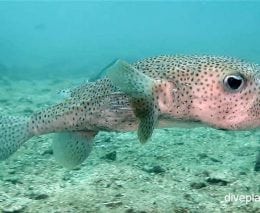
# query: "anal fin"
[[72, 148]]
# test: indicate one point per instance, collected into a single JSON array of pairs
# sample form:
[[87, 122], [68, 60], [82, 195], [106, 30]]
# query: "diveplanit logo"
[[242, 198]]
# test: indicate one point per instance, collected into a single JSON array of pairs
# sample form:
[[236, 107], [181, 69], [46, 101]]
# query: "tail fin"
[[14, 131]]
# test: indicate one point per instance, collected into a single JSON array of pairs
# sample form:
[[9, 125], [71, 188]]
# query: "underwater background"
[[47, 47], [80, 38]]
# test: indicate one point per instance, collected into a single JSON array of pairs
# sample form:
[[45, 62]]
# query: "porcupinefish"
[[164, 91]]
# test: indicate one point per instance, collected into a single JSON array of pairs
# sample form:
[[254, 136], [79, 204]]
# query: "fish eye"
[[234, 83]]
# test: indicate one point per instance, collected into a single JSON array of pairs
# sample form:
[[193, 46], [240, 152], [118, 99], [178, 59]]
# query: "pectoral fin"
[[140, 88], [145, 110]]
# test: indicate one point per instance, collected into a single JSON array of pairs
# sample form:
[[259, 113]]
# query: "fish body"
[[157, 92]]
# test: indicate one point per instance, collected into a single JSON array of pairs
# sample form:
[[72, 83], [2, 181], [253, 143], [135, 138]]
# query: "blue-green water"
[[80, 38]]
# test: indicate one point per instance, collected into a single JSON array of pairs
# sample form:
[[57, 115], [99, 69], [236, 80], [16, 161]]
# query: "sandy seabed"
[[178, 170]]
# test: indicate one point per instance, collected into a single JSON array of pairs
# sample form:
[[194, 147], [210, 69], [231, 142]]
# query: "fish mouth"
[[223, 129]]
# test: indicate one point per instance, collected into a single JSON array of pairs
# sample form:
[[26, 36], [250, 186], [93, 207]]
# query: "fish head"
[[217, 91], [227, 95]]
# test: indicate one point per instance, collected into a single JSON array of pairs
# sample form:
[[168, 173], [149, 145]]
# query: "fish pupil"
[[234, 83]]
